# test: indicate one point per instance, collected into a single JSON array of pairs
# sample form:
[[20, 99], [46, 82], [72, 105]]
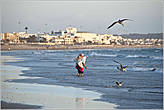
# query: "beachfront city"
[[71, 36]]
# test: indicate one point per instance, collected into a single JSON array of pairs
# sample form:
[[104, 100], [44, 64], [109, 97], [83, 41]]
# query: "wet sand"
[[24, 95], [6, 105]]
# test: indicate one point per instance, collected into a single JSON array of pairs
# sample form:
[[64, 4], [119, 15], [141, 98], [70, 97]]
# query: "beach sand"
[[24, 95], [67, 47]]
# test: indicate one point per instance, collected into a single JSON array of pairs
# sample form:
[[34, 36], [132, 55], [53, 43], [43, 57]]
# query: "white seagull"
[[119, 21]]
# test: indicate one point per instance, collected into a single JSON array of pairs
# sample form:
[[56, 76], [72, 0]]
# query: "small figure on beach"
[[80, 64], [119, 21], [9, 49], [122, 68]]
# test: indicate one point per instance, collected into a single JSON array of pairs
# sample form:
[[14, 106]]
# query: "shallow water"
[[35, 95], [142, 88]]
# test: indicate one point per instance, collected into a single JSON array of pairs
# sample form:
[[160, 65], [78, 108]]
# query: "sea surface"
[[141, 89]]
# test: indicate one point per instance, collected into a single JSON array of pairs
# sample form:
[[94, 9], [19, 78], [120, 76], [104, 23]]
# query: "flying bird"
[[119, 84], [122, 68], [119, 21]]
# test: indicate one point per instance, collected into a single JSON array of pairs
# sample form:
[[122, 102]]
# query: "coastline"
[[104, 85], [6, 105], [69, 47], [36, 96]]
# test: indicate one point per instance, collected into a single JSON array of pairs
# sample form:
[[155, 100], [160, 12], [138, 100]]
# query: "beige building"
[[48, 37], [78, 39], [10, 38], [24, 35], [63, 40]]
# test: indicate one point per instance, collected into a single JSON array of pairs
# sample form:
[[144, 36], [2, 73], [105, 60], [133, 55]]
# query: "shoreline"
[[6, 105], [110, 93], [69, 47], [18, 95]]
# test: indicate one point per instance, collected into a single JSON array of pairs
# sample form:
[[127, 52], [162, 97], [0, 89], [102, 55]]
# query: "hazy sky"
[[90, 16]]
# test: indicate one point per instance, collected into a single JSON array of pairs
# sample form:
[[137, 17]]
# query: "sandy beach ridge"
[[66, 47]]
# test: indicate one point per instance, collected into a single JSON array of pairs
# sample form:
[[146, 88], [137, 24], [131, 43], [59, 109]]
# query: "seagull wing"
[[125, 66], [117, 83], [125, 20], [112, 25], [121, 82], [118, 63]]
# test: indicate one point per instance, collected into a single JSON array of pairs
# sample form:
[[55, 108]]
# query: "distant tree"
[[26, 28]]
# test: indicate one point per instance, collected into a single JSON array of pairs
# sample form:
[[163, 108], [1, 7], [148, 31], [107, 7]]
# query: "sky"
[[90, 16]]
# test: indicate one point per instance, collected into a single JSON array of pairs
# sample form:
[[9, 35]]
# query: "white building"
[[71, 30], [86, 36]]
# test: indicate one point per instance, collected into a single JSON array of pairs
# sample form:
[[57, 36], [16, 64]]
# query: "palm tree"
[[26, 28]]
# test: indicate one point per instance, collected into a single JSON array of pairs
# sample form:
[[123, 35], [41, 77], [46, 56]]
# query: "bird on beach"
[[153, 69], [122, 68], [119, 21], [119, 84]]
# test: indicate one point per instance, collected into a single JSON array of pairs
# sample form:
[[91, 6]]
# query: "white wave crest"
[[147, 69], [157, 57], [137, 56], [132, 56], [98, 54], [142, 69]]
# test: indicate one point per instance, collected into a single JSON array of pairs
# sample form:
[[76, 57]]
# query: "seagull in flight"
[[122, 68], [119, 21], [119, 84]]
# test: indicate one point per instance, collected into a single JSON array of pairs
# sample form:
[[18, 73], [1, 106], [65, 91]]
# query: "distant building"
[[86, 36], [11, 38], [71, 30], [71, 36]]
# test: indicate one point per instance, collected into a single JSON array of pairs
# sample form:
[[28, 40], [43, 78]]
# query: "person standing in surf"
[[80, 64]]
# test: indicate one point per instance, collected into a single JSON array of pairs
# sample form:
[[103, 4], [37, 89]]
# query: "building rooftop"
[[82, 32]]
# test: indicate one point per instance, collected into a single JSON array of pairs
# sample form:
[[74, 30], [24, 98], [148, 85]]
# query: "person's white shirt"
[[81, 61]]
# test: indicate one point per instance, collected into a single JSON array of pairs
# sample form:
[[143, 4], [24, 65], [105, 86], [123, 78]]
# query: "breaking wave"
[[106, 55]]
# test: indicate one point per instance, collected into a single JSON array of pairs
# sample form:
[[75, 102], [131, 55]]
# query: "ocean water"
[[142, 88]]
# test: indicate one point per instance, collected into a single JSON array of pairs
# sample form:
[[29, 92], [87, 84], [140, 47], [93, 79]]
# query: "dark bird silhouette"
[[153, 69], [122, 68], [119, 84], [119, 21]]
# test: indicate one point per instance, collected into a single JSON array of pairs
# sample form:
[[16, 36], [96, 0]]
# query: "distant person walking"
[[80, 64]]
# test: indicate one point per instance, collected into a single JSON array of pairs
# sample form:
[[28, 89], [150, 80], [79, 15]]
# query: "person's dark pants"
[[80, 70]]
